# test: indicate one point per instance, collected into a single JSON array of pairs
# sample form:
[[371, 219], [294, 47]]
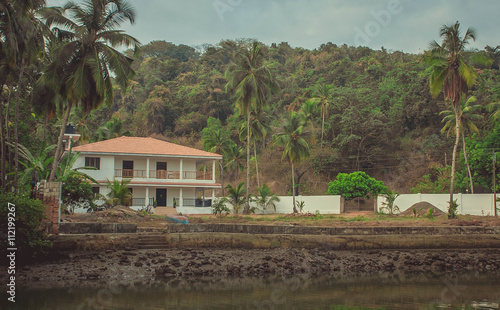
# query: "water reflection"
[[382, 291]]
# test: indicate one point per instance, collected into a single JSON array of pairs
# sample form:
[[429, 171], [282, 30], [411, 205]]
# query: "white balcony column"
[[147, 172], [147, 192], [180, 196], [213, 171], [181, 171], [213, 195]]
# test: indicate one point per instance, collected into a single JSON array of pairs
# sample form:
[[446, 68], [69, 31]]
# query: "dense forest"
[[366, 110]]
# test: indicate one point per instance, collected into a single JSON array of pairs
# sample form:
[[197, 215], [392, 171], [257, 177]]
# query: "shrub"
[[30, 240], [354, 185], [77, 191]]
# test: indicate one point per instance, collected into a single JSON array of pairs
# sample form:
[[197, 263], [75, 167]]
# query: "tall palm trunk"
[[222, 177], [322, 126], [59, 147], [293, 190], [2, 149], [453, 161], [8, 158], [256, 162], [468, 166], [16, 122], [246, 210]]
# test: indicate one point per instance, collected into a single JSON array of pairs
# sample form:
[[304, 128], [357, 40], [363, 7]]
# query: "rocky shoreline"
[[147, 267]]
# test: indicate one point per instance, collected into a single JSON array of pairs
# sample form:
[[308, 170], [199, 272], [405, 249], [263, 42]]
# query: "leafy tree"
[[119, 193], [84, 63], [452, 74], [354, 185], [252, 83], [236, 196], [76, 191], [293, 138]]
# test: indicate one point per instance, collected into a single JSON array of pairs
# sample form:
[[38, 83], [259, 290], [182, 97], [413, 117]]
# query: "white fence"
[[472, 204], [327, 204]]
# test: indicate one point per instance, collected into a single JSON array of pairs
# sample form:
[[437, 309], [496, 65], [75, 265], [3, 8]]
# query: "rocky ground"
[[153, 266]]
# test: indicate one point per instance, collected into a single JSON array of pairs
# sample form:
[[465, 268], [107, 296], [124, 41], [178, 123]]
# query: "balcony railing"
[[141, 202], [194, 202], [130, 173], [198, 175], [164, 174]]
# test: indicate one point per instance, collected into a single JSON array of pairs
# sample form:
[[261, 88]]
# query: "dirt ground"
[[350, 219], [153, 266]]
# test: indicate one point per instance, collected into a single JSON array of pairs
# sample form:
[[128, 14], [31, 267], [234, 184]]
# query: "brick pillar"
[[52, 201]]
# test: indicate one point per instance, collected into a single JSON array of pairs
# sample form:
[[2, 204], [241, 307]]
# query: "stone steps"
[[152, 241]]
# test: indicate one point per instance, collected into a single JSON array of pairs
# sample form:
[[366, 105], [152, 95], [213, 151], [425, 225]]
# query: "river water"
[[381, 291]]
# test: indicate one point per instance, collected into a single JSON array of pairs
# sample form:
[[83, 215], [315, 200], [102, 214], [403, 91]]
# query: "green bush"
[[354, 185], [77, 190], [30, 240]]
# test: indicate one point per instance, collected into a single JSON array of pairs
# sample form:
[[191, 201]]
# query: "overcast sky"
[[404, 25]]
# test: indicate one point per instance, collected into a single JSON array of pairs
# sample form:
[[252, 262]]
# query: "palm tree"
[[264, 198], [252, 83], [452, 75], [84, 63], [119, 193], [219, 142], [294, 137], [322, 93], [494, 108], [467, 119], [258, 130], [21, 42], [35, 165], [235, 156], [236, 196]]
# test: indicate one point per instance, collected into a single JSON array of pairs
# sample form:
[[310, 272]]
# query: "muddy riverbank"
[[146, 267]]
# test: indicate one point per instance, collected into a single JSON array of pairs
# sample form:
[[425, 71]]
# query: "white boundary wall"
[[472, 204], [327, 204]]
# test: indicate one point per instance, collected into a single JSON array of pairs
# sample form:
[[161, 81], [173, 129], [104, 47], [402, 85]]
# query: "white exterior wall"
[[189, 165], [472, 204], [328, 204], [106, 171]]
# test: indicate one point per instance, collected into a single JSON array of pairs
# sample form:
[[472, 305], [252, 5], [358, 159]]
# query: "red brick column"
[[51, 199]]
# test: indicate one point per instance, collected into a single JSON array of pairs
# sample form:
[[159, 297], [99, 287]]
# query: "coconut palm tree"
[[236, 196], [322, 93], [235, 156], [293, 138], [258, 131], [252, 83], [264, 198], [119, 194], [21, 42], [86, 62], [467, 117], [219, 142], [35, 165], [452, 74]]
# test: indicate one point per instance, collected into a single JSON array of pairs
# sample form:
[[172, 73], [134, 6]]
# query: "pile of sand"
[[422, 209]]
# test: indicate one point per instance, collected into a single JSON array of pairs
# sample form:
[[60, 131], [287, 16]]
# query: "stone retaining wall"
[[97, 228], [332, 231]]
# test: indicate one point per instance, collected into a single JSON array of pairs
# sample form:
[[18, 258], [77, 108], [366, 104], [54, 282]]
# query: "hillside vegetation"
[[379, 116]]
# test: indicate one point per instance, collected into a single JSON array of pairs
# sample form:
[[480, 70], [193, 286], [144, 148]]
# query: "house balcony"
[[164, 174], [141, 202]]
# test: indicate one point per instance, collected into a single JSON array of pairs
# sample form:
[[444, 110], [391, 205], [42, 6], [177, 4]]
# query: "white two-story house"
[[160, 171]]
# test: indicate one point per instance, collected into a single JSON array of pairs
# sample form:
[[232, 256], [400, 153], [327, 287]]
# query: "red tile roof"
[[143, 146]]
